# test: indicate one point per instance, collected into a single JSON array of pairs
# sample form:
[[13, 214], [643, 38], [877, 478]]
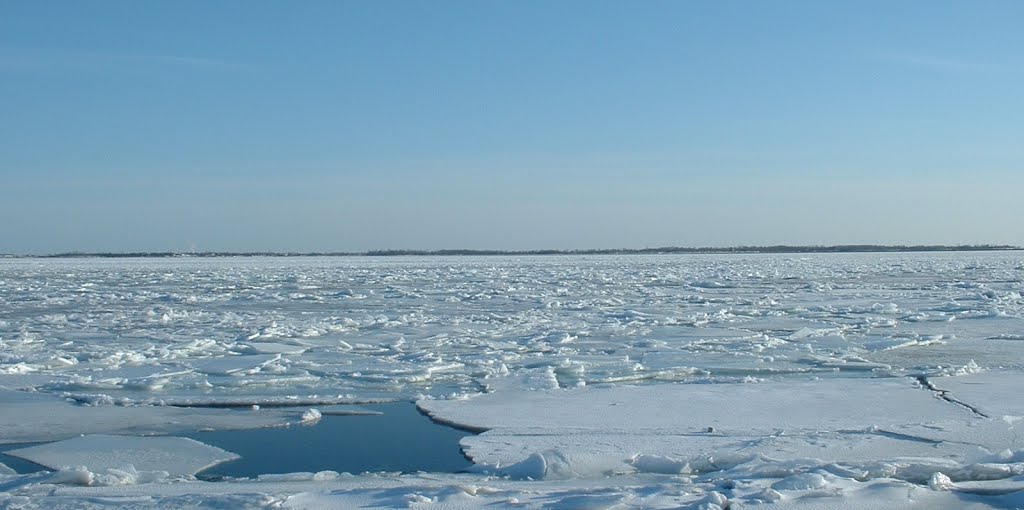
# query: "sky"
[[337, 125]]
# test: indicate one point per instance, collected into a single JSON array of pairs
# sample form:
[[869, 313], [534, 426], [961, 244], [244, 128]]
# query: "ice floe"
[[175, 456], [34, 417], [702, 428]]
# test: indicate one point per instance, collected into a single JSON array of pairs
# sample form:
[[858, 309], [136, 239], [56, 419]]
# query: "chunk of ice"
[[177, 456], [311, 416]]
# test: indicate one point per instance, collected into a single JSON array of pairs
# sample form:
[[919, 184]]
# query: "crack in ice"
[[944, 395]]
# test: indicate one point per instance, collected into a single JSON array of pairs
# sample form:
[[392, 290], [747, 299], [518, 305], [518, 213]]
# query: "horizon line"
[[665, 250]]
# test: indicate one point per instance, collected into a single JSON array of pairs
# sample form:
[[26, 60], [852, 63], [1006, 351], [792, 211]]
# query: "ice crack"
[[894, 435], [944, 395]]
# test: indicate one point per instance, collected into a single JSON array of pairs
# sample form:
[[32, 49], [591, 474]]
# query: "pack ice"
[[728, 381]]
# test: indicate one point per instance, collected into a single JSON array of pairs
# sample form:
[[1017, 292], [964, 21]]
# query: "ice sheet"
[[754, 408], [176, 456], [996, 394], [862, 424], [34, 417]]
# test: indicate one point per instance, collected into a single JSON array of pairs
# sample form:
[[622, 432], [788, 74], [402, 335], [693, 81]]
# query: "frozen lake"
[[526, 348]]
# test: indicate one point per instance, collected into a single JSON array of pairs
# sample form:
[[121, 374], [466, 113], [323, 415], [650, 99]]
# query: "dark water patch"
[[399, 439], [246, 404], [18, 464]]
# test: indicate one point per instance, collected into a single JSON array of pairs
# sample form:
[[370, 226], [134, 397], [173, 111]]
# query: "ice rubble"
[[258, 329], [460, 492], [813, 444], [917, 358]]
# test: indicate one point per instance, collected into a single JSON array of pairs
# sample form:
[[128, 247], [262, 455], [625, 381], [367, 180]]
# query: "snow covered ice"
[[810, 381], [173, 456]]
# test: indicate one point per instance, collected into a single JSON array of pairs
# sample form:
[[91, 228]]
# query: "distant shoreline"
[[671, 250]]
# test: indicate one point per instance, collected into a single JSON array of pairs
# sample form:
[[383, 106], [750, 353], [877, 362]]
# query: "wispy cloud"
[[939, 63], [15, 59]]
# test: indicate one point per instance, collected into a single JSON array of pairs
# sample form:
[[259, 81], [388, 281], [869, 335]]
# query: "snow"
[[34, 417], [706, 428], [174, 456], [231, 365], [469, 492], [726, 381], [756, 408], [988, 392], [311, 416]]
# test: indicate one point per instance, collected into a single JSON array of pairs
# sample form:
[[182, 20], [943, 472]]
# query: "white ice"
[[765, 381], [869, 426], [34, 417], [175, 456]]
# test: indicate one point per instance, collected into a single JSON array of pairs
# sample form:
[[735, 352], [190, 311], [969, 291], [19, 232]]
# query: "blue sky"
[[331, 125]]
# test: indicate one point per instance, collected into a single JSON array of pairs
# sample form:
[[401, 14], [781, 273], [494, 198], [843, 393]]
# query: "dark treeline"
[[844, 248]]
